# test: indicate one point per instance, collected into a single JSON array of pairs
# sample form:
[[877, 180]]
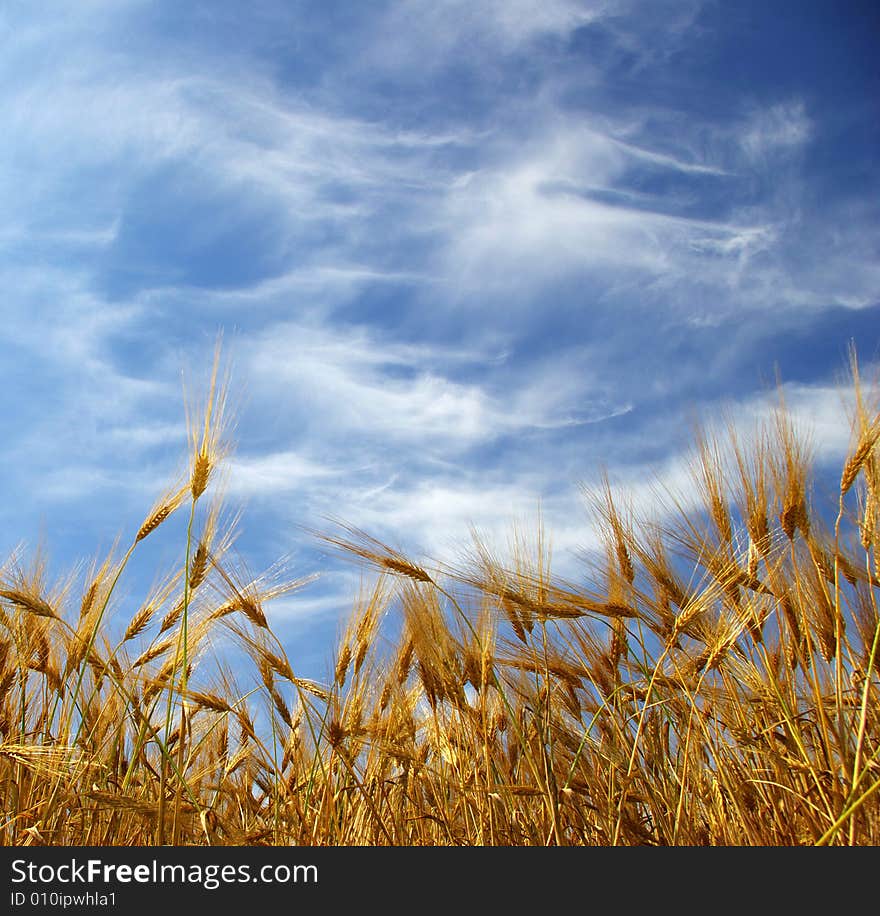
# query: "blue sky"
[[463, 255]]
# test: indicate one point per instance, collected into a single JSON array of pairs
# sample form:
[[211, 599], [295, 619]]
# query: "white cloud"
[[538, 214], [518, 21], [502, 217], [418, 35], [822, 414], [433, 518], [356, 383], [274, 474], [782, 127], [305, 605], [351, 382]]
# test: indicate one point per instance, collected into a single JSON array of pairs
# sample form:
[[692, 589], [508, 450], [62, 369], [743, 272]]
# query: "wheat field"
[[712, 680]]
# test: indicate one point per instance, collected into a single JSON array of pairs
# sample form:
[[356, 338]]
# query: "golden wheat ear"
[[373, 552], [162, 509], [207, 426]]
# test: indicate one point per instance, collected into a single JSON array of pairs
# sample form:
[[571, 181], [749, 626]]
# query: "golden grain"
[[707, 682]]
